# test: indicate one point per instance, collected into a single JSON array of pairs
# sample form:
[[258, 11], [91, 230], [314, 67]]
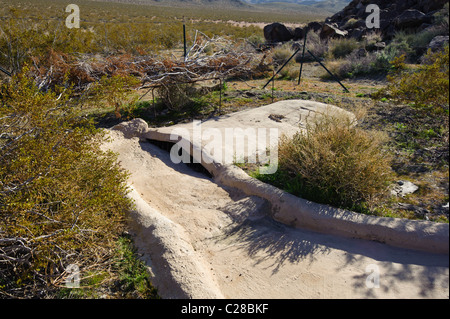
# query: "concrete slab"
[[245, 135]]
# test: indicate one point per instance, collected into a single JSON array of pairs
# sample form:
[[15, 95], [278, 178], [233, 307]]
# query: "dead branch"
[[207, 58]]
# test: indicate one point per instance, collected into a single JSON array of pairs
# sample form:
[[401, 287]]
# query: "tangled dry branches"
[[207, 58]]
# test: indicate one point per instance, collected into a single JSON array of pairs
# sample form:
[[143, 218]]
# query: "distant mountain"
[[217, 3], [313, 6], [332, 6]]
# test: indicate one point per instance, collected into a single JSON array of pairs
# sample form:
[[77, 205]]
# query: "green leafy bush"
[[114, 92], [427, 87], [62, 199], [133, 274]]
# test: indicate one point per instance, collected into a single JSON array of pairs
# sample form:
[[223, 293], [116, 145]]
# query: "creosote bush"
[[62, 199], [426, 88], [334, 162], [114, 92]]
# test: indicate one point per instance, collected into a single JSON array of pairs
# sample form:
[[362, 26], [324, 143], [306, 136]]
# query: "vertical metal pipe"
[[220, 96], [184, 39], [303, 56], [273, 84]]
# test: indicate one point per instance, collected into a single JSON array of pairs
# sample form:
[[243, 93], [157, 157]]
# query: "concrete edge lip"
[[297, 212]]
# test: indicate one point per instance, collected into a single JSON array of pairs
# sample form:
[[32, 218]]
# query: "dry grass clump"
[[340, 48], [354, 64], [335, 162], [281, 54]]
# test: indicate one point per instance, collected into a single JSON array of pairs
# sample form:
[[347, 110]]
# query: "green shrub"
[[350, 23], [414, 45], [340, 48], [134, 277], [290, 72], [354, 65], [115, 92], [62, 199], [334, 162], [256, 40], [427, 87]]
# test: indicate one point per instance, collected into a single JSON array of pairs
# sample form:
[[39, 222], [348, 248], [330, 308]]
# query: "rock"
[[277, 32], [133, 128], [360, 53], [410, 18], [314, 26], [380, 45], [403, 188], [357, 33], [332, 31], [299, 33], [438, 42]]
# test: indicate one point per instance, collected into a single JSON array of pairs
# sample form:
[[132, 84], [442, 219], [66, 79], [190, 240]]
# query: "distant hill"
[[330, 6], [324, 7], [216, 3]]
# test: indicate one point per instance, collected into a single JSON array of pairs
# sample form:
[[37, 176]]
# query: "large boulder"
[[438, 43], [411, 18], [277, 32], [314, 26], [299, 33]]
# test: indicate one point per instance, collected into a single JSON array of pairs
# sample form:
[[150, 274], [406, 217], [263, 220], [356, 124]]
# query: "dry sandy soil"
[[204, 240]]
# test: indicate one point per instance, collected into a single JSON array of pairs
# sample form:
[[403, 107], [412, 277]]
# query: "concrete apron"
[[287, 208]]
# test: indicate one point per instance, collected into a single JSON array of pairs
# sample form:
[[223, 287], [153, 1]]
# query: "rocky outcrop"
[[410, 15], [394, 16]]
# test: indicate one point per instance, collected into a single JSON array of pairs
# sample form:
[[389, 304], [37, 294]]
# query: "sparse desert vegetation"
[[62, 199]]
